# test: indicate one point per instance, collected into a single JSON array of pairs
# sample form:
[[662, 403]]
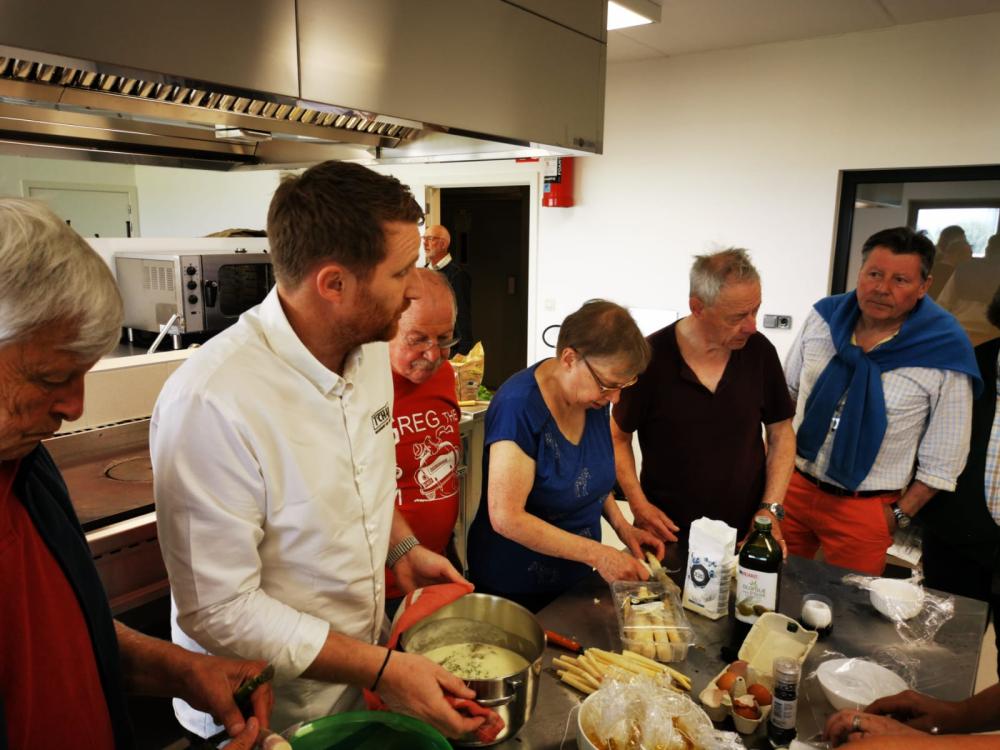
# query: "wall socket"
[[778, 321]]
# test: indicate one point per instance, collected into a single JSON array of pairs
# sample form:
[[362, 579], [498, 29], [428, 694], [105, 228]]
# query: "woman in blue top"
[[549, 466]]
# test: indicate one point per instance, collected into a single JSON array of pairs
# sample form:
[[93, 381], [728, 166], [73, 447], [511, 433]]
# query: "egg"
[[725, 682], [760, 693], [738, 667], [747, 712], [712, 697]]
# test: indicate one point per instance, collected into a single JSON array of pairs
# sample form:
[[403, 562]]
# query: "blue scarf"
[[929, 337]]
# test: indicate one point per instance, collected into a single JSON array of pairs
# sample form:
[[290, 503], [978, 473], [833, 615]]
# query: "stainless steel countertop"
[[947, 669]]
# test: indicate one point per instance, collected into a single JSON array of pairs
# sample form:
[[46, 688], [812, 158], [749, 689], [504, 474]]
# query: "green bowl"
[[368, 730]]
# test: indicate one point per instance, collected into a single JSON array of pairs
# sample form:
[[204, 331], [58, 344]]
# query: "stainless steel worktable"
[[946, 669]]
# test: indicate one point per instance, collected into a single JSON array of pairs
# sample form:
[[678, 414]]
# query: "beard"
[[374, 321]]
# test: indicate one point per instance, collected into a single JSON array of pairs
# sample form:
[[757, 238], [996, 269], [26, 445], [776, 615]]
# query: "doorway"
[[489, 236], [92, 210]]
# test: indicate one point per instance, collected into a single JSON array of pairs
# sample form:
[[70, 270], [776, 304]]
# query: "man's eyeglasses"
[[422, 343], [608, 388]]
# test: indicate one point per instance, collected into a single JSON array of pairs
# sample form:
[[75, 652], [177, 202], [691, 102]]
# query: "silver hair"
[[429, 276], [51, 275], [711, 272]]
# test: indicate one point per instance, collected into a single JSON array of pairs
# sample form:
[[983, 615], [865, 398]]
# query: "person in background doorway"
[[961, 547], [64, 663], [969, 290], [425, 419], [953, 249], [437, 241], [714, 382], [549, 468], [883, 380], [274, 466]]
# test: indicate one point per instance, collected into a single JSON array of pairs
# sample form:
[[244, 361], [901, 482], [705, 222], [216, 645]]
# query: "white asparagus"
[[572, 668], [573, 681]]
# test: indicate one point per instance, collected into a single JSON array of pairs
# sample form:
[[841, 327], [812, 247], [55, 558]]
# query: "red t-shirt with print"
[[49, 685], [425, 424]]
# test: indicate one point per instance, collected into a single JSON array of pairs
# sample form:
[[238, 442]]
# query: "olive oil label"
[[756, 593]]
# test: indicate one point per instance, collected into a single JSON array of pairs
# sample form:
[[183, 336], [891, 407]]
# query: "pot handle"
[[512, 685]]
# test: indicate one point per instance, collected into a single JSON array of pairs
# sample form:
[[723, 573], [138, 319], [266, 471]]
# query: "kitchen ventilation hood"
[[76, 90]]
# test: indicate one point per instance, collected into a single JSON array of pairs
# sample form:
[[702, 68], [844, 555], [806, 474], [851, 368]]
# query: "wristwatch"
[[399, 549], [902, 520], [777, 509]]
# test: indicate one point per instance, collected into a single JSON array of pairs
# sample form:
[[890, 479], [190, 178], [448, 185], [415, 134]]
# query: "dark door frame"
[[850, 179], [533, 179]]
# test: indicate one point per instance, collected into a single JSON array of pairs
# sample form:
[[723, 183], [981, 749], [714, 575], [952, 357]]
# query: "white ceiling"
[[703, 25]]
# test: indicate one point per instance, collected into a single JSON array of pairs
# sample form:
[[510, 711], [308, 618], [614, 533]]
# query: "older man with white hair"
[[64, 662], [425, 418]]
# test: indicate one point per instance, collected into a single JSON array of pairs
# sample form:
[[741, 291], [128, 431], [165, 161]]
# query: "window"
[[980, 222]]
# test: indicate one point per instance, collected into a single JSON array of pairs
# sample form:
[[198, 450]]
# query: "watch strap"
[[399, 549]]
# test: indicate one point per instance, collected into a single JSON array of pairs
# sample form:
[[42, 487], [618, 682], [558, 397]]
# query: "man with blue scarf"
[[883, 380]]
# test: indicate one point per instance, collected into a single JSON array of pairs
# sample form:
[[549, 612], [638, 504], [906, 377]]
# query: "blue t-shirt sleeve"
[[514, 415]]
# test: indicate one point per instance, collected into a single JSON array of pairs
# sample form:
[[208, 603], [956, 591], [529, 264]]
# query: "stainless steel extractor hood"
[[293, 82]]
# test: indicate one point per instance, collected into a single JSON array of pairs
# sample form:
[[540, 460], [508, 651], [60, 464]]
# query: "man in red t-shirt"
[[425, 419]]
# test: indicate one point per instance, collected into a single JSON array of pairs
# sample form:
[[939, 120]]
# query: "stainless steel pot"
[[481, 618]]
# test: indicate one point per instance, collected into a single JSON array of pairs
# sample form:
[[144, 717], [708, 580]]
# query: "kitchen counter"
[[946, 669]]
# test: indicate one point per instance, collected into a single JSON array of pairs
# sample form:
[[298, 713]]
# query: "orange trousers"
[[852, 531]]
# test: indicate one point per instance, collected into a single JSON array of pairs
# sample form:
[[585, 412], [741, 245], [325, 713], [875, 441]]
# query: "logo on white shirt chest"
[[381, 418]]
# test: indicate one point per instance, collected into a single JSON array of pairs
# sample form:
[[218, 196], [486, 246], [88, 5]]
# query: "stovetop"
[[108, 472]]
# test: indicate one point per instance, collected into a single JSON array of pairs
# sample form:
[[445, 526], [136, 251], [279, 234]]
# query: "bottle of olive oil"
[[758, 574]]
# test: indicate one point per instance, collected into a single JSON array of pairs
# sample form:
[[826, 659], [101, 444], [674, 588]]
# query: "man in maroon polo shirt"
[[699, 409]]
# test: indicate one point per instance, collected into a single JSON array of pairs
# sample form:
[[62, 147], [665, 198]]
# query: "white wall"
[[740, 147], [196, 202], [744, 147], [15, 170]]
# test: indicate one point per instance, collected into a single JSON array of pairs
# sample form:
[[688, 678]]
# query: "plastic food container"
[[772, 635], [651, 621]]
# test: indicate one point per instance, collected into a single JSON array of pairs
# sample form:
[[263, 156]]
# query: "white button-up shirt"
[[929, 414], [274, 481]]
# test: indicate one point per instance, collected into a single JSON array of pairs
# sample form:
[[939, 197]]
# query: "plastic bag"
[[469, 369], [639, 712], [916, 613]]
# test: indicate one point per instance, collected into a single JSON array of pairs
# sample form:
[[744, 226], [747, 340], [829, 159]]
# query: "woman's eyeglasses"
[[608, 388], [422, 343]]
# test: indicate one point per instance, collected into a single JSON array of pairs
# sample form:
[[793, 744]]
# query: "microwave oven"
[[208, 291]]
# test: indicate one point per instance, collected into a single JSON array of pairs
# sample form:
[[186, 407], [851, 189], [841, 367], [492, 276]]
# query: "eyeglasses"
[[430, 237], [422, 343], [608, 388]]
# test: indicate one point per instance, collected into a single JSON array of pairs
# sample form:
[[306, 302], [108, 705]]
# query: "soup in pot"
[[477, 661]]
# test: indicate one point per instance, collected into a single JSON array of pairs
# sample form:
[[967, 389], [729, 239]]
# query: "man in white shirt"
[[274, 464], [437, 244]]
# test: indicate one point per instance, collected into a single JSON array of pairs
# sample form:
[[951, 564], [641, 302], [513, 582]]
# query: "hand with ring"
[[849, 725]]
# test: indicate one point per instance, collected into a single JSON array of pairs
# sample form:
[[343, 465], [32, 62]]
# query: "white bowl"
[[895, 598], [855, 683], [582, 741]]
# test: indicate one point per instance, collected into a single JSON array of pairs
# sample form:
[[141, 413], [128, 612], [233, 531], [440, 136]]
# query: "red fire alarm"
[[558, 182]]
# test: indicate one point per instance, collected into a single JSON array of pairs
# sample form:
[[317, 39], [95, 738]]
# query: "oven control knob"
[[190, 270], [192, 284], [193, 298]]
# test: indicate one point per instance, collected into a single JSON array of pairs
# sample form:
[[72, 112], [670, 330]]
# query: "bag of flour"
[[711, 566]]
